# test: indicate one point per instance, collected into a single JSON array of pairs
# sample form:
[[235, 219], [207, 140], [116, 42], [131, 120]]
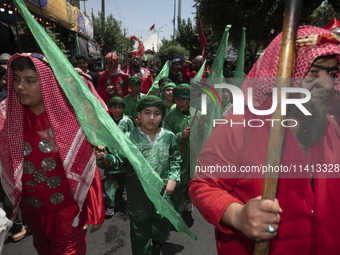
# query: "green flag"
[[200, 72], [163, 73], [99, 127], [239, 72], [216, 77], [210, 96]]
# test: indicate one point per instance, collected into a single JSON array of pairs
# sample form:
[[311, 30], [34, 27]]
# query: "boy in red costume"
[[112, 81], [48, 168]]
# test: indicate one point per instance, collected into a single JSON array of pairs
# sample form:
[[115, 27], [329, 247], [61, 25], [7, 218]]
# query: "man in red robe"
[[112, 81], [48, 168], [305, 217], [144, 74]]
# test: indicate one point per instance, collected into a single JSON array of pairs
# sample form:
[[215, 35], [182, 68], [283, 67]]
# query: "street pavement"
[[114, 238]]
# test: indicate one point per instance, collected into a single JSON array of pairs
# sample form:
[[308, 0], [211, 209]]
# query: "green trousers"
[[180, 196], [111, 182], [141, 234]]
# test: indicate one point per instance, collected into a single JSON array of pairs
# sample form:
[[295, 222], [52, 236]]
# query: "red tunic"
[[47, 204], [118, 81], [187, 75], [310, 220]]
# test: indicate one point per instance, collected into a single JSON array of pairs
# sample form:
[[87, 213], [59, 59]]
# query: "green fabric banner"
[[216, 77], [99, 127], [239, 72], [163, 73], [200, 72]]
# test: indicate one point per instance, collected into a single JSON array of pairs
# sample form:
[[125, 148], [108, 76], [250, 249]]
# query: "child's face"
[[150, 118], [167, 93], [161, 85], [134, 88], [27, 87], [117, 111], [182, 104]]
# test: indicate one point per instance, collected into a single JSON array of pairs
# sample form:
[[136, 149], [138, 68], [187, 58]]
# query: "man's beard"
[[310, 128]]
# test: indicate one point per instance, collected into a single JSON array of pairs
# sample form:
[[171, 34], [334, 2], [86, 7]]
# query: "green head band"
[[116, 101], [134, 80], [152, 101], [182, 90]]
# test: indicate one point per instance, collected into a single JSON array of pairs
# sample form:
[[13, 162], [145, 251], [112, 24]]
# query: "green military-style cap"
[[152, 101], [182, 90], [134, 80], [116, 101]]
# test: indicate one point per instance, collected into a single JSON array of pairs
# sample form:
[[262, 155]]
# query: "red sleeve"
[[94, 201], [211, 197], [125, 89], [213, 192], [186, 73], [151, 82], [102, 82], [193, 74]]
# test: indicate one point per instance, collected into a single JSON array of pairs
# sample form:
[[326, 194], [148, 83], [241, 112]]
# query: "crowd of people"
[[50, 176]]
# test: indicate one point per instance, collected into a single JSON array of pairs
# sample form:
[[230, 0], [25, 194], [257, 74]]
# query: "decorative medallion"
[[27, 149], [28, 167], [57, 198], [46, 146], [34, 201], [48, 164], [39, 176], [53, 182]]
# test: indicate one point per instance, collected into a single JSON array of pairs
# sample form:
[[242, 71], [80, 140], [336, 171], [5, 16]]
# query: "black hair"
[[20, 64], [2, 71], [81, 57]]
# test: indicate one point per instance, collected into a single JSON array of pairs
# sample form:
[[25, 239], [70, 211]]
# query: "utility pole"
[[103, 8], [174, 19], [103, 14], [179, 13]]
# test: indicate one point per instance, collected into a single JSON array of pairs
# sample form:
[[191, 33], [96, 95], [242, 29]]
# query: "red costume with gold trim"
[[48, 167]]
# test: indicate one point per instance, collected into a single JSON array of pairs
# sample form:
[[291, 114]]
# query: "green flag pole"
[[239, 72], [98, 126]]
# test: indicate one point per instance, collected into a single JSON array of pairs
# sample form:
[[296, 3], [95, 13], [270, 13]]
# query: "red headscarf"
[[75, 151], [312, 42]]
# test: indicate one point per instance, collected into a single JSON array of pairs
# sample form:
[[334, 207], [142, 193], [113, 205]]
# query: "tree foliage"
[[169, 50], [322, 15], [108, 34], [263, 19], [187, 36]]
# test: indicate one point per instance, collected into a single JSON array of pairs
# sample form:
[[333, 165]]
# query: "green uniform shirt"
[[176, 122], [164, 157], [131, 105], [115, 161]]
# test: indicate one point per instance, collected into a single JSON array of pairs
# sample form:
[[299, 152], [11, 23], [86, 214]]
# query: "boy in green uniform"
[[114, 181], [167, 96], [161, 83], [131, 100], [178, 121], [159, 147]]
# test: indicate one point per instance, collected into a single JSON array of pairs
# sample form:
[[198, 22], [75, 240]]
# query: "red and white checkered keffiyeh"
[[312, 42], [75, 151]]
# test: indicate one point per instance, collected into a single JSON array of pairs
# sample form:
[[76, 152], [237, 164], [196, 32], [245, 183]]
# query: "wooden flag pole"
[[277, 132]]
